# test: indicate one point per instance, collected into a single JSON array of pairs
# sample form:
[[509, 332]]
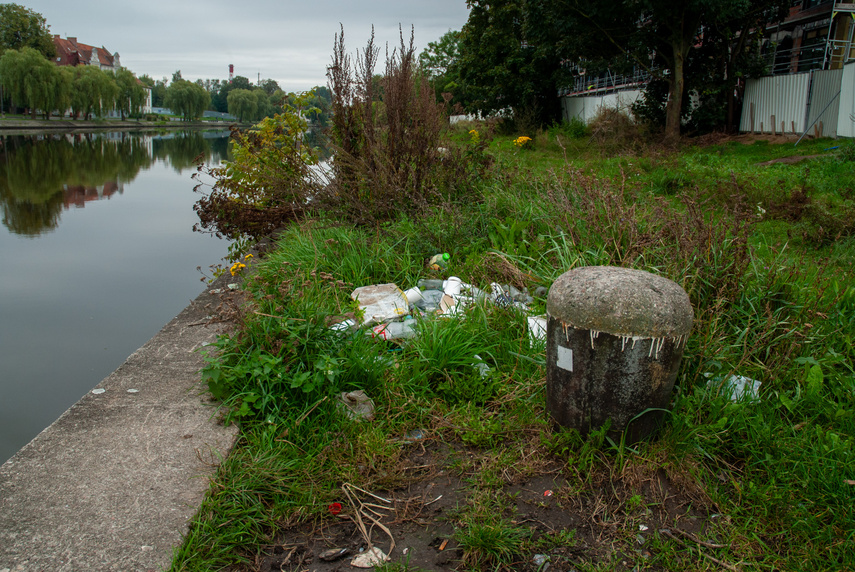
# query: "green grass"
[[769, 481]]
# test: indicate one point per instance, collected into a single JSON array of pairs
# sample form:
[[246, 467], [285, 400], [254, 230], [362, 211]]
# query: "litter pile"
[[389, 313]]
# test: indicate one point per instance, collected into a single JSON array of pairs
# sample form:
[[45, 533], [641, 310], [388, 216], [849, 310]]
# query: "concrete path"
[[110, 486]]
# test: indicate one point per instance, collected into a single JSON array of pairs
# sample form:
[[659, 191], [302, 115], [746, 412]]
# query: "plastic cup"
[[413, 295], [452, 286]]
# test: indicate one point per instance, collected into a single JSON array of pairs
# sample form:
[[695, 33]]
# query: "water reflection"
[[97, 236], [43, 175]]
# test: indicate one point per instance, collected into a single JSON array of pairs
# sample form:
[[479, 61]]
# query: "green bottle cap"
[[445, 256]]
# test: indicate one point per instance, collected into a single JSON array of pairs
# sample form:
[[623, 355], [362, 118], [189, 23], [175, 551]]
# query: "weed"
[[762, 483], [389, 159], [487, 534]]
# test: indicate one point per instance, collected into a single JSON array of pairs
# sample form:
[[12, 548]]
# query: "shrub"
[[615, 130], [267, 184], [389, 157]]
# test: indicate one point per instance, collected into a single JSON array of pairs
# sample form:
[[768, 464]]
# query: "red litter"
[[335, 508], [548, 493]]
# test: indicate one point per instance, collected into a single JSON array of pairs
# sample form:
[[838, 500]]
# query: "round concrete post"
[[614, 342]]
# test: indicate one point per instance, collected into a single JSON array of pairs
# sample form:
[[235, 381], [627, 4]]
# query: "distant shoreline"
[[25, 126]]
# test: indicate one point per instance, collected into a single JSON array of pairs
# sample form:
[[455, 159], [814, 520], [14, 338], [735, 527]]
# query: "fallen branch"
[[724, 565]]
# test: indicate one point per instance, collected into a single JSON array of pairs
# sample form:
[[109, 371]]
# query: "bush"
[[614, 130], [574, 128], [389, 157], [269, 183]]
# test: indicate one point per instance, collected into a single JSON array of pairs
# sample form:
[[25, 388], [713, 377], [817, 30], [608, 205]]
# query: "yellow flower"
[[473, 135], [247, 257], [521, 141], [237, 267]]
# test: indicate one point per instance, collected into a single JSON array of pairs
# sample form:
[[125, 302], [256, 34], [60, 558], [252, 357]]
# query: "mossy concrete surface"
[[621, 302], [112, 483]]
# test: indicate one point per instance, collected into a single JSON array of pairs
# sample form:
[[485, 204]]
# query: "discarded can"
[[439, 261], [334, 508]]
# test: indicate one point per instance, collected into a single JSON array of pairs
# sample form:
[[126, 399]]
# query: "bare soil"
[[606, 518]]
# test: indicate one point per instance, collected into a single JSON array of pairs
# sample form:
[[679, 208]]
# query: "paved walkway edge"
[[112, 483]]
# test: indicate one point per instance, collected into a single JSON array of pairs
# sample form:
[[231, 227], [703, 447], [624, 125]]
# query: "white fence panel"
[[771, 102], [586, 107], [825, 101], [846, 113]]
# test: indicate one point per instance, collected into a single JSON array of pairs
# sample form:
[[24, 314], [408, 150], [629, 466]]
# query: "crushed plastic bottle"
[[394, 330], [439, 261]]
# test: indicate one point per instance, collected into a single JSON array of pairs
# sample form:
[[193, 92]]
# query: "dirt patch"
[[791, 160], [718, 138], [567, 518], [791, 209]]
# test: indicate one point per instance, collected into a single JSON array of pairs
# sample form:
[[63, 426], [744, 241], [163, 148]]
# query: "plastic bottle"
[[395, 330], [431, 284], [439, 261]]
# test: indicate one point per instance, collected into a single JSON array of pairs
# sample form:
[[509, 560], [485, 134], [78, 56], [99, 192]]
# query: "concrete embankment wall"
[[112, 483]]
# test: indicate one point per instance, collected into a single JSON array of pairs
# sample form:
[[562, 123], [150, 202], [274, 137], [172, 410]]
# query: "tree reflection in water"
[[42, 175]]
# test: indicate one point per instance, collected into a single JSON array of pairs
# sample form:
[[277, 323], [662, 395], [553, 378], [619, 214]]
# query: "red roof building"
[[70, 52]]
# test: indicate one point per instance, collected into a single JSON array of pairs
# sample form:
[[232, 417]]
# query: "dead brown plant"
[[389, 157]]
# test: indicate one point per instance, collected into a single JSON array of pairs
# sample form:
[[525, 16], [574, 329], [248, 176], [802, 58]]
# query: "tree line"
[[32, 81], [239, 97], [517, 54], [29, 79]]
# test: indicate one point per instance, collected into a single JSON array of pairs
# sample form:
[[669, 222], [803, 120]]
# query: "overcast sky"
[[286, 40]]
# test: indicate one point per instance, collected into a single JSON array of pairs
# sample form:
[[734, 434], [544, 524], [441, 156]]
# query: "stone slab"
[[112, 483]]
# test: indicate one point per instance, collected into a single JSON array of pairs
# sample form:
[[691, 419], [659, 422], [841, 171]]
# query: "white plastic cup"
[[413, 295], [452, 286]]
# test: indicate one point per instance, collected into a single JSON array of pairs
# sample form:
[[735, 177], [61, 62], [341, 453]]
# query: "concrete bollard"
[[615, 338]]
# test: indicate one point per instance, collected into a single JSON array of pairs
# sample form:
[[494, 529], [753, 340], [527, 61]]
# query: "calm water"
[[97, 253]]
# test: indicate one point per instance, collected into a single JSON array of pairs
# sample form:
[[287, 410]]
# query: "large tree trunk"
[[682, 40], [673, 109]]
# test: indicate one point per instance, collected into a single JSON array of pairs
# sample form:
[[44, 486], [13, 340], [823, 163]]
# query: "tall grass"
[[771, 473]]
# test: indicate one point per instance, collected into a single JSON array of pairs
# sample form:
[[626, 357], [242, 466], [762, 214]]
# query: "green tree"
[[669, 35], [30, 79], [131, 95], [514, 52], [263, 106], [20, 27], [504, 65], [158, 93], [269, 86], [221, 99], [242, 104], [440, 62], [64, 89], [94, 91], [187, 99], [318, 105]]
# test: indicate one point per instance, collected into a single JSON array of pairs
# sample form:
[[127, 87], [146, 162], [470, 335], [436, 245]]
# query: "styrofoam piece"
[[381, 303], [537, 327], [413, 295], [370, 558]]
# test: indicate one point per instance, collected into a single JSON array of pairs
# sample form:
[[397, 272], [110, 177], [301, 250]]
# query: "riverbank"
[[26, 126], [112, 483], [457, 464]]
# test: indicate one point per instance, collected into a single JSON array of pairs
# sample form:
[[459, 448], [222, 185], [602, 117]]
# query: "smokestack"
[[231, 72]]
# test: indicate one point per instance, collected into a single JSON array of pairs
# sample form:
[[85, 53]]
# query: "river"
[[97, 253]]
